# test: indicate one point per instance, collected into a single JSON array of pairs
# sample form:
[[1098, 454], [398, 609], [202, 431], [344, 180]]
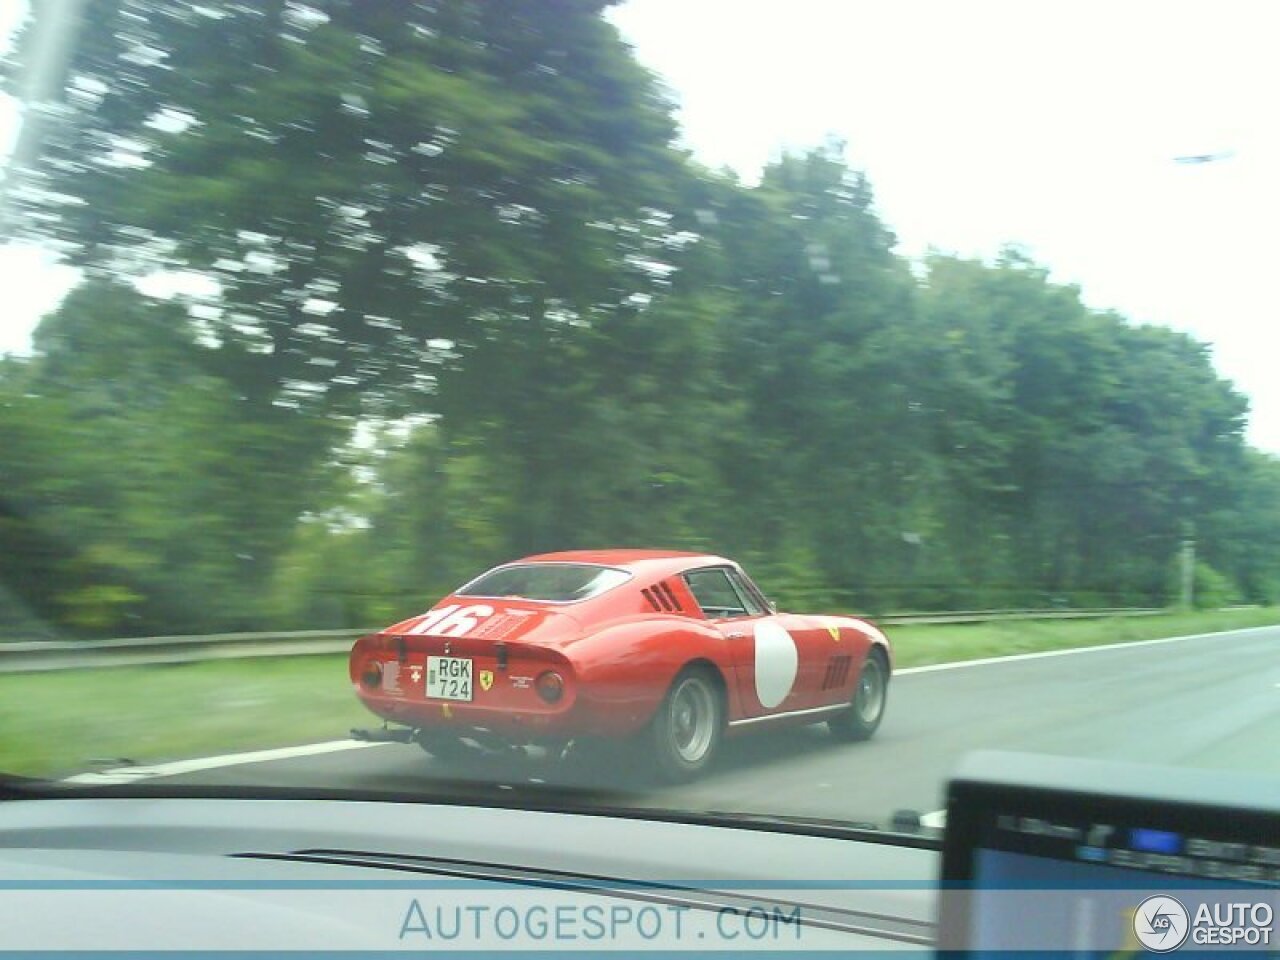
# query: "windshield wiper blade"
[[900, 826], [796, 820]]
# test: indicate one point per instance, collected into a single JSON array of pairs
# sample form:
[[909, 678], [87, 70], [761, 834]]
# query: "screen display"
[[1080, 888], [1064, 857]]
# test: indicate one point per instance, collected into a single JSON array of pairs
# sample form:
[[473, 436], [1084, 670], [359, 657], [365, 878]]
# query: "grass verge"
[[916, 646], [66, 721], [53, 724]]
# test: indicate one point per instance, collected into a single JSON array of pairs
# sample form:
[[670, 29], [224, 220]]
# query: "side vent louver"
[[662, 598], [837, 672]]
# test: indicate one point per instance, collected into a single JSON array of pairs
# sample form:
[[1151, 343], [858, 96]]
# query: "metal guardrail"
[[177, 641], [38, 656], [987, 616]]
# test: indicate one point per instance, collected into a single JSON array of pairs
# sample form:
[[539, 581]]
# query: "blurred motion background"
[[373, 295]]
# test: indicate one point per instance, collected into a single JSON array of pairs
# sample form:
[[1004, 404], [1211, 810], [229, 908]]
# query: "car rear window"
[[548, 582]]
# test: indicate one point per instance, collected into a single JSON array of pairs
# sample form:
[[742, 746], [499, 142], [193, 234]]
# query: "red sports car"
[[678, 648]]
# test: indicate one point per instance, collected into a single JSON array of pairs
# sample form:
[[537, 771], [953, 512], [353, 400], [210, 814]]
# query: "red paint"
[[616, 654]]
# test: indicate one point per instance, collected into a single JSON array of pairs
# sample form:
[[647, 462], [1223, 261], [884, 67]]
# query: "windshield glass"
[[882, 371], [548, 582]]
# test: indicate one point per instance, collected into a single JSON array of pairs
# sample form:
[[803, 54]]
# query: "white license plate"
[[449, 678]]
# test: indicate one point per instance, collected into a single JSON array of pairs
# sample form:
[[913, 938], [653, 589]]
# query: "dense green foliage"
[[471, 303]]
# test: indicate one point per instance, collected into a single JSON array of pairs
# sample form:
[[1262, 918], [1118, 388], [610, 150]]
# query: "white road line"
[[130, 774], [1044, 654], [936, 819]]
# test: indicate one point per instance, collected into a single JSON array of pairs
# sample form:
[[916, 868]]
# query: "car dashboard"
[[346, 875], [1039, 854]]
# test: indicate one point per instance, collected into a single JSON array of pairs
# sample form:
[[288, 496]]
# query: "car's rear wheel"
[[870, 697], [687, 728]]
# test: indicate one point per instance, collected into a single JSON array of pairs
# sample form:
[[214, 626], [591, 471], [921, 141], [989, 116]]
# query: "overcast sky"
[[1049, 124], [1052, 124]]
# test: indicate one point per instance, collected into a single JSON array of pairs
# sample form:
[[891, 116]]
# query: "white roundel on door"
[[776, 663]]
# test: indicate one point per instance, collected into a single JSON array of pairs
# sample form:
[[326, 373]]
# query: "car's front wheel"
[[688, 725], [870, 697]]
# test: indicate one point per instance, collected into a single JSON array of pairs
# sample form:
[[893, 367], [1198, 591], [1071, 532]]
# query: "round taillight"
[[371, 678], [550, 686]]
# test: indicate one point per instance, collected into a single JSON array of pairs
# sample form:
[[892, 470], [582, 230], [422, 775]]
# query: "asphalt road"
[[1208, 702]]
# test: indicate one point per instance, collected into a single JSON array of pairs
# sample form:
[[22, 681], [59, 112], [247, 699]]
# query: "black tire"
[[685, 732], [870, 697]]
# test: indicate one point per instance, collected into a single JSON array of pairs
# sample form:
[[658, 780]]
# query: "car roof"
[[658, 563]]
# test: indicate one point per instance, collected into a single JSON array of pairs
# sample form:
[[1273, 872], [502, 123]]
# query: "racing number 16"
[[451, 621]]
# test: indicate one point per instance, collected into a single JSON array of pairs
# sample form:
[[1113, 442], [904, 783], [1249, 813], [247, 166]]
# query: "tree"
[[366, 181], [160, 504], [470, 303]]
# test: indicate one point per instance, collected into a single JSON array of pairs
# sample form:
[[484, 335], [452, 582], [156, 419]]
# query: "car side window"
[[716, 594], [752, 599]]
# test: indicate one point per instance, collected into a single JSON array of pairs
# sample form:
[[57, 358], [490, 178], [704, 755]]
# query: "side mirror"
[[772, 604]]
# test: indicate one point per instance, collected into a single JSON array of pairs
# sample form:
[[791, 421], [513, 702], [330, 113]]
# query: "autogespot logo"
[[1161, 924]]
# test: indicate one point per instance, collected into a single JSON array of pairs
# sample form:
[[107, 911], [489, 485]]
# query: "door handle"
[[735, 634]]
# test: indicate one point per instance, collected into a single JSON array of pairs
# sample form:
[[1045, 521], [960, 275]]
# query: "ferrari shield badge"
[[486, 679]]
